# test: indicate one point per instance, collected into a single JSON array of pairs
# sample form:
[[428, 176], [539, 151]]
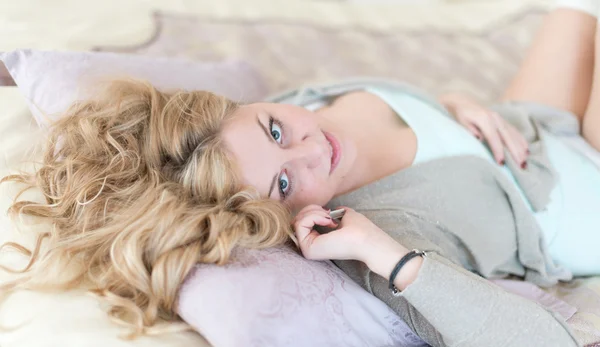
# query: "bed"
[[472, 47]]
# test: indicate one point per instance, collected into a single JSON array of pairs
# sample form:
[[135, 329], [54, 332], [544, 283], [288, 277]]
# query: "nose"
[[310, 153]]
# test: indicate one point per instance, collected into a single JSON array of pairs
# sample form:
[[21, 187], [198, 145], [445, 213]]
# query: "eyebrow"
[[264, 129]]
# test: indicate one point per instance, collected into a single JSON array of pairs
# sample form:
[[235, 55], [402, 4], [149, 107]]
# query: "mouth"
[[334, 150]]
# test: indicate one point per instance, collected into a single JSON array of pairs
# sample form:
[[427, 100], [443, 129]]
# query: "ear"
[[5, 78]]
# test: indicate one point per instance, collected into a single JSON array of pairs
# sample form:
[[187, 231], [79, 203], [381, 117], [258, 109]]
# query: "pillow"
[[51, 81], [275, 297]]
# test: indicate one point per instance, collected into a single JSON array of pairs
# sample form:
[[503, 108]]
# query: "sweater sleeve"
[[448, 306], [467, 310]]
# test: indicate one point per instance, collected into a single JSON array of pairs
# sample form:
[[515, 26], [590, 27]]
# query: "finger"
[[515, 134], [306, 242], [312, 208], [310, 219], [304, 225], [317, 212], [309, 209], [512, 144], [473, 130], [326, 246], [522, 140], [512, 139], [306, 235], [492, 137], [522, 148], [519, 138]]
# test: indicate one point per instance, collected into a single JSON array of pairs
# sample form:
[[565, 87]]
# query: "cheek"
[[312, 192], [302, 120], [311, 123]]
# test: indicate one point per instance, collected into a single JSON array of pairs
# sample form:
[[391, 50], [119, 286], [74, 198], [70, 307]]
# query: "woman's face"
[[289, 153]]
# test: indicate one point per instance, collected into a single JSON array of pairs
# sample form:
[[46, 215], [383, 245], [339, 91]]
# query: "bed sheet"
[[469, 47]]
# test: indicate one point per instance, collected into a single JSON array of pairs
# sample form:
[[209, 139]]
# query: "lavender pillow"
[[51, 81], [275, 297]]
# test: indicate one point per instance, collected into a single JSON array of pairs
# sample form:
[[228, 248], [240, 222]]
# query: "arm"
[[443, 303], [465, 309]]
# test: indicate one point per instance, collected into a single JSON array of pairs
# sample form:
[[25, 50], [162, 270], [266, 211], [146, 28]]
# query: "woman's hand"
[[488, 125], [356, 237]]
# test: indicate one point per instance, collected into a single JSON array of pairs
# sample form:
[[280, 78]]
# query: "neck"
[[376, 160], [376, 156]]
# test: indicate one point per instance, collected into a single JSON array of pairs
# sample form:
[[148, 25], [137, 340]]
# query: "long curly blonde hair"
[[140, 187]]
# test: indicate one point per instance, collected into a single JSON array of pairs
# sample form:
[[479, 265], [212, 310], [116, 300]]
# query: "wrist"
[[449, 102], [383, 261], [452, 101], [408, 274], [452, 98], [381, 253]]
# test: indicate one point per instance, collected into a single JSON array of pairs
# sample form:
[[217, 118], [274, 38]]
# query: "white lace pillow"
[[275, 297]]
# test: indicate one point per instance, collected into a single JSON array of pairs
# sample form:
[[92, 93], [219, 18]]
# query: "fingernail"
[[524, 165], [501, 162]]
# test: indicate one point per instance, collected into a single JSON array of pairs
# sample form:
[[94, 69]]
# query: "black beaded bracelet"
[[398, 267]]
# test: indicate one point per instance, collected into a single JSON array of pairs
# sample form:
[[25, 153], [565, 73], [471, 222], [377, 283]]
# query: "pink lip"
[[335, 145]]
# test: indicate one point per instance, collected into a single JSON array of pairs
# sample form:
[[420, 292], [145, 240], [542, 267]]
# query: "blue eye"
[[275, 129], [285, 185]]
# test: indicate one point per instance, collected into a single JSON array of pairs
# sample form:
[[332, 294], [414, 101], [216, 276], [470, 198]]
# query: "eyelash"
[[290, 188], [279, 124]]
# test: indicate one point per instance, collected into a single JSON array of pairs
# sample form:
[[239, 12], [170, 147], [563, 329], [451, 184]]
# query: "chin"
[[326, 200]]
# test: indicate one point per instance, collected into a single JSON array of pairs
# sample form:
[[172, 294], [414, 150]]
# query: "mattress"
[[473, 47]]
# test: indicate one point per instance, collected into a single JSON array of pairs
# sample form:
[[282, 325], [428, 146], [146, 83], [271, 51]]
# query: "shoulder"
[[360, 99], [368, 105]]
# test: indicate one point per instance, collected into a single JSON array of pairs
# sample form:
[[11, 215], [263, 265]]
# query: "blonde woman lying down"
[[143, 184]]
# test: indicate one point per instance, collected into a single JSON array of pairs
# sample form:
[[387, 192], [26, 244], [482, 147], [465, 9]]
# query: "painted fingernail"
[[524, 165], [501, 162]]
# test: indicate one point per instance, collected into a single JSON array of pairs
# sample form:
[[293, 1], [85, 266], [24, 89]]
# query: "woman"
[[143, 184]]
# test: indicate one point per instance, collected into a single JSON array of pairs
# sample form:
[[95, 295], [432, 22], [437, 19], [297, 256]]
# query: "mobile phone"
[[337, 214]]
